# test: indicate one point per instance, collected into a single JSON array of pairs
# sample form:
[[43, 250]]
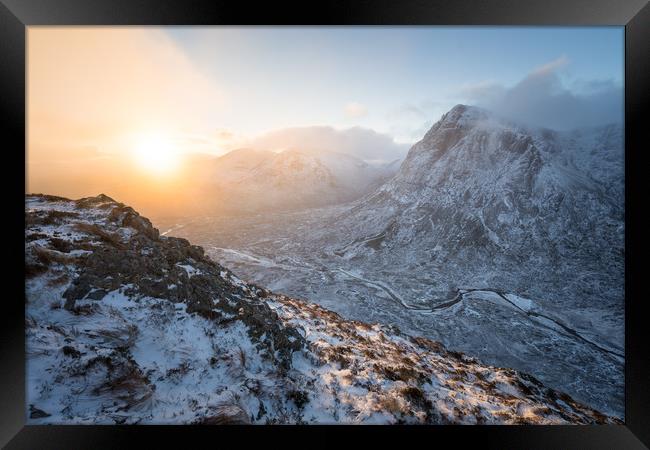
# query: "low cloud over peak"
[[363, 143], [542, 98]]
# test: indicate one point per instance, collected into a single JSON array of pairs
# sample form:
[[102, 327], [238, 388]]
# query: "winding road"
[[460, 296]]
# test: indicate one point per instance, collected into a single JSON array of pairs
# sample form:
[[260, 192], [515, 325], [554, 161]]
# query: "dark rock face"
[[125, 216], [70, 351], [173, 269], [479, 202], [127, 326], [35, 413], [89, 202], [492, 196]]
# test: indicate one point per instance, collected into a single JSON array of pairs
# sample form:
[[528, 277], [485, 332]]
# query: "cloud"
[[408, 112], [483, 92], [551, 67], [91, 90], [94, 86], [541, 98], [355, 110], [363, 143], [410, 121], [224, 134]]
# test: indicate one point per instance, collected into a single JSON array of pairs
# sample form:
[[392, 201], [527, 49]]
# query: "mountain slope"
[[127, 326], [256, 180], [479, 192], [481, 212], [481, 202]]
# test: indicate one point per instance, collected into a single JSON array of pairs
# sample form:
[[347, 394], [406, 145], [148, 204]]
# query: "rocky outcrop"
[[127, 326], [167, 268]]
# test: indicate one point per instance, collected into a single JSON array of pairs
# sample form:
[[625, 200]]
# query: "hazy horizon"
[[325, 225], [122, 110]]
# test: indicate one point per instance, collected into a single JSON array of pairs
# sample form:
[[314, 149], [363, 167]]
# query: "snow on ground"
[[186, 367], [104, 356], [524, 304], [191, 270]]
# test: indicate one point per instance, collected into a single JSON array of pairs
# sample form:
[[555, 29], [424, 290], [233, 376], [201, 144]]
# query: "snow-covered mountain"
[[476, 188], [126, 326], [260, 180], [497, 239], [492, 203]]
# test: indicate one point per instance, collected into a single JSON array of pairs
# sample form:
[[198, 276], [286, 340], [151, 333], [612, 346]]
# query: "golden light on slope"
[[156, 153]]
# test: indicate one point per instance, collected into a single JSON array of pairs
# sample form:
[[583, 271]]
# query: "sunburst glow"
[[156, 152]]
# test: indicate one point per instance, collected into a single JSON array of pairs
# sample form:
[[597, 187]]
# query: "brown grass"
[[124, 337], [299, 398], [242, 357], [97, 231], [227, 413], [50, 198], [60, 244], [390, 404], [34, 236], [34, 269], [56, 304], [428, 344], [179, 371], [48, 256], [84, 310], [52, 217], [58, 281], [130, 386], [339, 354], [400, 373]]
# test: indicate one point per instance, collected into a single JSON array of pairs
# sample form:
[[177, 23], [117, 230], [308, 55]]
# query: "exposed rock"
[[125, 216], [154, 331], [96, 201], [479, 202], [70, 351], [35, 413]]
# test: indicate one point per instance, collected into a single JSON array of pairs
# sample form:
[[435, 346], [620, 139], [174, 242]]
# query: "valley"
[[539, 338], [497, 240]]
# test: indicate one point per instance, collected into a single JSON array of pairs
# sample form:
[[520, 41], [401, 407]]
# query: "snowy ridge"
[[248, 180], [479, 203], [482, 201], [126, 326]]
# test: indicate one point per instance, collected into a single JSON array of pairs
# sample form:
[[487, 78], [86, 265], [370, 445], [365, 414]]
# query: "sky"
[[101, 97], [393, 80]]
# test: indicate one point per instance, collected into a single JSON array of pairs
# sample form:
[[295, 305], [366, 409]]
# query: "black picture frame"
[[16, 15]]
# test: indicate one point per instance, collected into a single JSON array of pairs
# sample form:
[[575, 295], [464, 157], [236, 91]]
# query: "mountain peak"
[[461, 108], [462, 115], [449, 129]]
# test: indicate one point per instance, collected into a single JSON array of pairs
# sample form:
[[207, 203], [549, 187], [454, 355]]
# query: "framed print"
[[367, 219]]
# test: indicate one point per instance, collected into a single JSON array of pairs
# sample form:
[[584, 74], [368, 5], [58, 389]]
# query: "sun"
[[155, 152]]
